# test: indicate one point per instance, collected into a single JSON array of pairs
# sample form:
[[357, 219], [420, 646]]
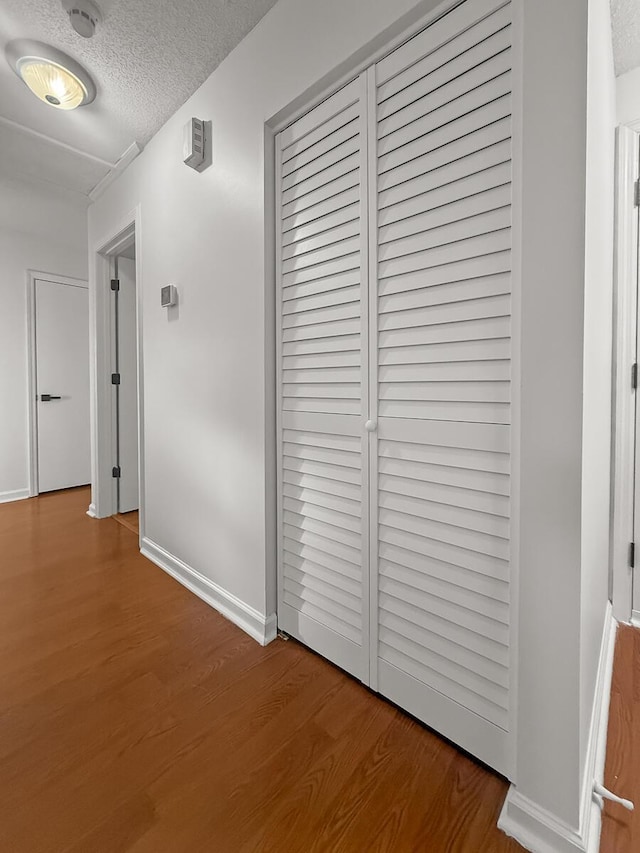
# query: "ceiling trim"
[[21, 128], [116, 169]]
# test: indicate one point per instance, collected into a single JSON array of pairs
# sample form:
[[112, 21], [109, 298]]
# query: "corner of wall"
[[262, 628], [536, 828]]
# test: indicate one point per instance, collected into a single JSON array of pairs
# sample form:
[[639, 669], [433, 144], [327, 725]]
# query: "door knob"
[[371, 426], [45, 398]]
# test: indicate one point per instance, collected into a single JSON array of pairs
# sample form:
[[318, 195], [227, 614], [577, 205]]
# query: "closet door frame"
[[423, 15]]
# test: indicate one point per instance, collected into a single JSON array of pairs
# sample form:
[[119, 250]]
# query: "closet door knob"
[[371, 426]]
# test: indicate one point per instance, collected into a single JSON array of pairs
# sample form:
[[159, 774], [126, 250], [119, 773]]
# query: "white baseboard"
[[537, 829], [91, 512], [15, 495], [635, 618], [261, 628]]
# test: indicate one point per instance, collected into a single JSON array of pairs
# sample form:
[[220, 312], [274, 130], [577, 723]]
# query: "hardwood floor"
[[135, 719], [620, 828], [129, 520]]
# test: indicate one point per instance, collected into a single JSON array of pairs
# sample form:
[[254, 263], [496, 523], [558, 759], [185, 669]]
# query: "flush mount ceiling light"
[[51, 75]]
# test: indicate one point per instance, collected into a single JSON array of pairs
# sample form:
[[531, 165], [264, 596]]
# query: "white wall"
[[552, 310], [208, 431], [42, 227], [597, 357], [566, 392], [628, 98]]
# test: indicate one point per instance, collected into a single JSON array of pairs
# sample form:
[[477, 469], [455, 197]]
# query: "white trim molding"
[[91, 512], [14, 495], [103, 494], [261, 628], [536, 828], [115, 170], [635, 618], [624, 355]]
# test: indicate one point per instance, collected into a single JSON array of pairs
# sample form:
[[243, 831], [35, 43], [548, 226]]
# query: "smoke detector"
[[84, 16]]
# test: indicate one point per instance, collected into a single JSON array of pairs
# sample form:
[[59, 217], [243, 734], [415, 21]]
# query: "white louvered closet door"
[[440, 597], [323, 574]]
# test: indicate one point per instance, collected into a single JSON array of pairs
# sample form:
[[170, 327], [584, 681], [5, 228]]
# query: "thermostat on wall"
[[168, 295], [193, 143]]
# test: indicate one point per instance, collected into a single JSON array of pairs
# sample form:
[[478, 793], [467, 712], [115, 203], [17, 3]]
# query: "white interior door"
[[443, 234], [323, 570], [395, 377], [62, 378], [127, 390]]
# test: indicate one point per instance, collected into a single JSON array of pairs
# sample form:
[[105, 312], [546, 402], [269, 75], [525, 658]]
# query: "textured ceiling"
[[625, 17], [146, 58]]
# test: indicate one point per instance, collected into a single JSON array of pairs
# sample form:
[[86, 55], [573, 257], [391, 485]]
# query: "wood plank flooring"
[[129, 520], [135, 719], [620, 828]]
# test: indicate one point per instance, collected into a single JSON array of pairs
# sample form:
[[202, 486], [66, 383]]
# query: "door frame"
[[625, 322], [104, 489], [32, 367]]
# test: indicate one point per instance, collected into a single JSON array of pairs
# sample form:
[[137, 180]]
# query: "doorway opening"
[[117, 390], [59, 410]]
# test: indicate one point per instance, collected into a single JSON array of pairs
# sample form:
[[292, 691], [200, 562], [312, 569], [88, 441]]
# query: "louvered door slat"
[[317, 151], [426, 82], [462, 29], [478, 85], [322, 183], [484, 201], [313, 217], [326, 237], [457, 516], [316, 228], [321, 528], [487, 146], [322, 386], [398, 149], [443, 335]]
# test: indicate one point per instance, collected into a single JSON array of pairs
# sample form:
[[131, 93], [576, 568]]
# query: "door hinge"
[[634, 375], [115, 284], [632, 554], [115, 471], [115, 378]]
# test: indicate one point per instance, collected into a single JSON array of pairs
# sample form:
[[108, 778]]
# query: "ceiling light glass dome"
[[52, 83], [51, 75]]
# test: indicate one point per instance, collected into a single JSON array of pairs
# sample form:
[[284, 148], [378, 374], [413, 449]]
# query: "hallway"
[[135, 719]]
